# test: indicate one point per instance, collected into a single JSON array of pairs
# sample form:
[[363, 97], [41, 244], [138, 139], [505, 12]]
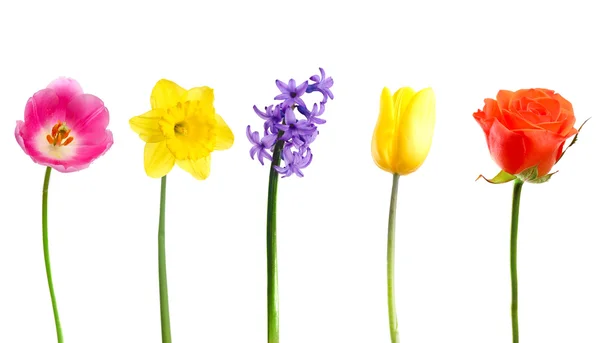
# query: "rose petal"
[[507, 148], [503, 98], [490, 112], [516, 121], [540, 149]]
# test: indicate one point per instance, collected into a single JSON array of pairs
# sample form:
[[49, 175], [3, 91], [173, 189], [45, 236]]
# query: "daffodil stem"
[[514, 226], [272, 289], [165, 321], [390, 261], [59, 334]]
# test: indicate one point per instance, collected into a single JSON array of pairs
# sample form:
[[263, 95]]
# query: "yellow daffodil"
[[182, 128], [404, 130]]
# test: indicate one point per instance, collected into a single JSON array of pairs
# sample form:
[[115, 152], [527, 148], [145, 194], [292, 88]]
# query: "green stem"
[[59, 334], [514, 225], [165, 321], [390, 261], [272, 289]]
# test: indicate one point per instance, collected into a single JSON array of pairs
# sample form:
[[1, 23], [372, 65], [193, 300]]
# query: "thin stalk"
[[59, 334], [390, 261], [514, 226], [165, 321], [272, 288]]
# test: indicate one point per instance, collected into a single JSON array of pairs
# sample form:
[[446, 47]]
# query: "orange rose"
[[526, 128]]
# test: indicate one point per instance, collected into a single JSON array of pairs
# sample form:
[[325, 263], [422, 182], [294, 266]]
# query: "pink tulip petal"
[[66, 89], [40, 111], [86, 154], [87, 118]]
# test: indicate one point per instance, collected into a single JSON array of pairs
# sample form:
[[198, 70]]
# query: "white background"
[[453, 280]]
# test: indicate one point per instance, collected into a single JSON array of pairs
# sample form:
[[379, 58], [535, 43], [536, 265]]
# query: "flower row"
[[66, 129]]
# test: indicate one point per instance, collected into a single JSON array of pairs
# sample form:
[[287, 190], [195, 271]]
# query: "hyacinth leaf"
[[501, 177], [529, 174], [574, 140], [542, 179]]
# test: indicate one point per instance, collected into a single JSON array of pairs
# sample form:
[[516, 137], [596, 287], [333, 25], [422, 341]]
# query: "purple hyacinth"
[[291, 124]]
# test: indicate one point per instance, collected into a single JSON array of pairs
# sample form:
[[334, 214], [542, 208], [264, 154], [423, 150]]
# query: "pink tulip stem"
[[59, 334]]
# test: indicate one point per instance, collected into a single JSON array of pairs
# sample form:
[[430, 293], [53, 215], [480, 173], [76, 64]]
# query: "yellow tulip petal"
[[200, 168], [381, 143], [402, 99], [415, 132], [147, 126], [158, 160], [166, 94], [224, 136]]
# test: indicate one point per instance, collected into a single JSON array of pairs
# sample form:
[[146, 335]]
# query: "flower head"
[[290, 132], [526, 130], [182, 128], [404, 131], [64, 128]]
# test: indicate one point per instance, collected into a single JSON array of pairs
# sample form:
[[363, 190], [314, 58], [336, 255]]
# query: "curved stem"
[[59, 334], [165, 321], [390, 261], [514, 225], [272, 289]]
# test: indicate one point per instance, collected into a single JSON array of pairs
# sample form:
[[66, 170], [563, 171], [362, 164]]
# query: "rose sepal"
[[501, 177], [573, 141], [531, 175]]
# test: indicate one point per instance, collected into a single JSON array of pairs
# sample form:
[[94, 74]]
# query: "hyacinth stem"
[[272, 288], [165, 321], [514, 225], [390, 261], [59, 334]]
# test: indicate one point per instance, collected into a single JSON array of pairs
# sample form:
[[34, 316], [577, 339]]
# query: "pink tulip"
[[64, 128]]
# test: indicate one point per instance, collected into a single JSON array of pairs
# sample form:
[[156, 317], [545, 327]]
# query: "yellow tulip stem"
[[514, 226], [165, 321], [272, 284], [390, 261], [59, 334]]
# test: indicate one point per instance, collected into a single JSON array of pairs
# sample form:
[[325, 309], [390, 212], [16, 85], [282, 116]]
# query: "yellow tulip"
[[404, 131], [182, 128]]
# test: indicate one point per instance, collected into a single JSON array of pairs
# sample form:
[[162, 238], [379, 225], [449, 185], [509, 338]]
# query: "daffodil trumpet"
[[401, 142]]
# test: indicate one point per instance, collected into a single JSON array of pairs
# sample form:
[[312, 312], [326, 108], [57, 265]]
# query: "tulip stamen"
[[59, 135]]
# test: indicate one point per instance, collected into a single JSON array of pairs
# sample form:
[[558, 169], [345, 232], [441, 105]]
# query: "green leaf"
[[501, 177], [574, 139], [529, 174], [543, 179]]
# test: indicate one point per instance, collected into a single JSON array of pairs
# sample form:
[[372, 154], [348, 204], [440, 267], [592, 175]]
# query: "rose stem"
[[514, 225]]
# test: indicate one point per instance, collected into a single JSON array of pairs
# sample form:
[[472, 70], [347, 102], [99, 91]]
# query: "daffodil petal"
[[224, 136], [166, 94], [383, 135], [415, 132], [158, 160], [205, 95], [147, 126], [200, 168]]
